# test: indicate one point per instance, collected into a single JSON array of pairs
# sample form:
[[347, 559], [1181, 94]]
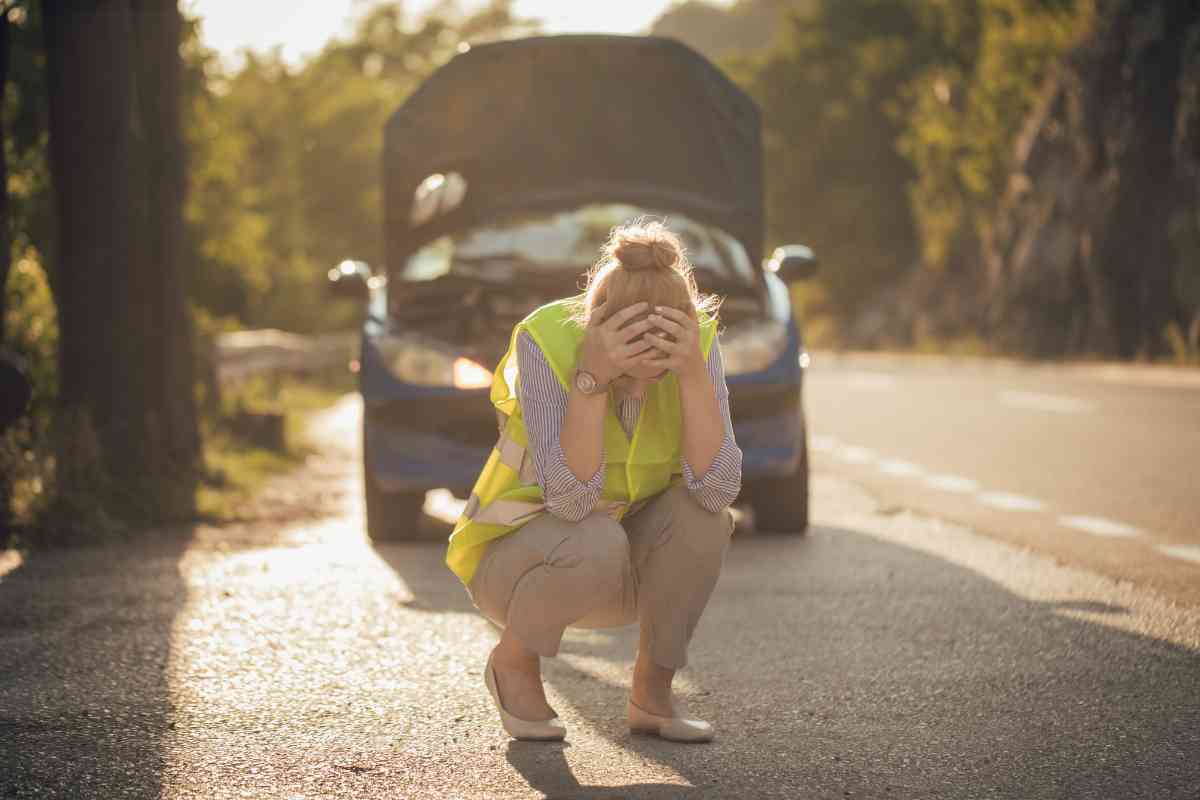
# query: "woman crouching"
[[605, 501]]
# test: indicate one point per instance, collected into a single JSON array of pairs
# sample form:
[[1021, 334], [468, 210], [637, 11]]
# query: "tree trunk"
[[159, 29], [119, 299]]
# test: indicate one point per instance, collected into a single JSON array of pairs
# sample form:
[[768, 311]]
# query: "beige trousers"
[[657, 566]]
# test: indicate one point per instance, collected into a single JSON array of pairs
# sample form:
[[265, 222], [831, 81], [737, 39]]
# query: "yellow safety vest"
[[507, 495]]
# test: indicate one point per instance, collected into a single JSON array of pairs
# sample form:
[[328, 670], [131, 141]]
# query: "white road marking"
[[1188, 552], [1010, 502], [1045, 402], [951, 483], [901, 469], [823, 444], [1006, 501], [1099, 526], [856, 455], [870, 381]]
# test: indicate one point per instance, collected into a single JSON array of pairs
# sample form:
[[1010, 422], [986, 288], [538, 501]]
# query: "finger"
[[627, 313], [659, 353], [668, 326], [674, 313], [633, 330], [663, 343], [633, 349], [660, 363]]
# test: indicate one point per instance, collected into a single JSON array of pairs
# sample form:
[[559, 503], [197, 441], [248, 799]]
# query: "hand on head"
[[676, 339], [639, 341]]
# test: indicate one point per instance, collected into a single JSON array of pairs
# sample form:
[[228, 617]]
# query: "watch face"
[[585, 382]]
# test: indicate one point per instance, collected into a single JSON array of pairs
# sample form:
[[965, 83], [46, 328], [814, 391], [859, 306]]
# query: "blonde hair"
[[643, 261]]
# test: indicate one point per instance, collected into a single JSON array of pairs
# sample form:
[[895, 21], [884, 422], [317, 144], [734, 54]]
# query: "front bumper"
[[406, 460], [769, 427]]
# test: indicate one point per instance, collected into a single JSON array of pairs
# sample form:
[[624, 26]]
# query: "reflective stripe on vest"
[[501, 512], [514, 512], [516, 457]]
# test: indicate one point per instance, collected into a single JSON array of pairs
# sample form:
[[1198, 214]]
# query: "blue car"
[[503, 175]]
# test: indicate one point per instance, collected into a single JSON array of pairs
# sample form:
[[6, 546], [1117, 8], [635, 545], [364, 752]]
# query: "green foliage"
[[890, 126], [961, 117], [28, 322], [285, 163], [835, 180], [236, 467], [30, 328]]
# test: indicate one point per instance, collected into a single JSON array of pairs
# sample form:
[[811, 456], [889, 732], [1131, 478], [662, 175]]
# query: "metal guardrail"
[[241, 354]]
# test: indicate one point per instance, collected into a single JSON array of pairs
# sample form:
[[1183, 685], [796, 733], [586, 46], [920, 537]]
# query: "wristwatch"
[[586, 383]]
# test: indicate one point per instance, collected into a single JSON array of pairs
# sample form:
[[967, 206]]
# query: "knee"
[[702, 531]]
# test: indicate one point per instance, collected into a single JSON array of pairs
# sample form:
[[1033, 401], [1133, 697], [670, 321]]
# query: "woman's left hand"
[[681, 356]]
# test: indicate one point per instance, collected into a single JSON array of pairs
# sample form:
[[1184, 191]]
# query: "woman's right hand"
[[607, 350]]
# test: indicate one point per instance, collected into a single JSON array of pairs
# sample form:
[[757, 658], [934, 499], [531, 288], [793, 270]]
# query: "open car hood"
[[559, 121]]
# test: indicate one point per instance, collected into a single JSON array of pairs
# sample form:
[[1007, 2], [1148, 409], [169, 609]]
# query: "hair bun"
[[638, 252]]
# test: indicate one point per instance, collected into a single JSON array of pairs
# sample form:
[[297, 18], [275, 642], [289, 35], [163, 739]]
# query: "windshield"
[[553, 242]]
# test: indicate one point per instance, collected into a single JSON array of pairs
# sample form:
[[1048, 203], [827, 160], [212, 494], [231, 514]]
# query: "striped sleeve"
[[544, 405], [719, 486]]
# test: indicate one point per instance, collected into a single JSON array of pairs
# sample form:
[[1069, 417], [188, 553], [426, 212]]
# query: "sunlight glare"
[[300, 28]]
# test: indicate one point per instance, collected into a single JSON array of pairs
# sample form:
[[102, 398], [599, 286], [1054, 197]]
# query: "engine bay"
[[476, 319]]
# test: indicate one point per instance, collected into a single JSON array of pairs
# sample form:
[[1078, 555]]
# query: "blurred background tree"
[[909, 142], [285, 161], [889, 131]]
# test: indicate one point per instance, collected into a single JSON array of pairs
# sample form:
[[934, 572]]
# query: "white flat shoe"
[[548, 730], [675, 729]]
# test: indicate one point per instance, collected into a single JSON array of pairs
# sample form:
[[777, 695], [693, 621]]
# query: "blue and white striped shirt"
[[544, 404]]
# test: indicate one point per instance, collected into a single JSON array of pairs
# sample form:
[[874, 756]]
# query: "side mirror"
[[350, 279], [792, 262]]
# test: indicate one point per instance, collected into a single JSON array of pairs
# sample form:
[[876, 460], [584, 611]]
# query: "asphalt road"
[[1098, 466], [885, 655]]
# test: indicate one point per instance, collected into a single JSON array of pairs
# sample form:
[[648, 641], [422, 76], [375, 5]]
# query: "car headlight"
[[420, 361], [752, 346]]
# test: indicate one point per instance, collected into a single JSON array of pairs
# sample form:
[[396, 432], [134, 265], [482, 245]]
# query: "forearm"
[[582, 436], [703, 423], [544, 403]]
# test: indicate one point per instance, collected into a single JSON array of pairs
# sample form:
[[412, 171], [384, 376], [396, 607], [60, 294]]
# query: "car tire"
[[391, 516], [780, 504]]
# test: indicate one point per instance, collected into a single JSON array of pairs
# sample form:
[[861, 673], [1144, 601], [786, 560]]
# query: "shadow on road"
[[85, 641], [420, 565], [840, 662], [544, 766]]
